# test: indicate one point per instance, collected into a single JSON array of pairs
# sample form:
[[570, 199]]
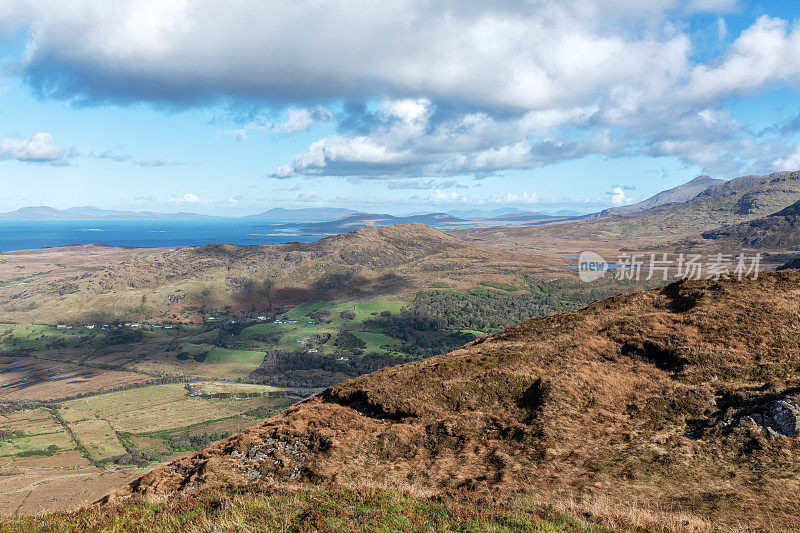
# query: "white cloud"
[[309, 197], [188, 198], [297, 120], [764, 53], [240, 134], [446, 197], [513, 54], [405, 139], [40, 148], [449, 86], [619, 197], [791, 162]]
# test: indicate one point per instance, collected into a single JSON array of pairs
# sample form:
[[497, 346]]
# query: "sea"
[[33, 234]]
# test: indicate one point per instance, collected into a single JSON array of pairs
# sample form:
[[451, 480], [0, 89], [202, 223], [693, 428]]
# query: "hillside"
[[681, 193], [731, 202], [103, 283], [779, 231], [681, 399]]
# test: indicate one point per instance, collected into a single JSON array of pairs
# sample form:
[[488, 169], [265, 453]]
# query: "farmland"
[[91, 405], [97, 442]]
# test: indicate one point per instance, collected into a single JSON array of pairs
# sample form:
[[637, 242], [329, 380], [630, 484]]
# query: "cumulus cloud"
[[39, 148], [309, 197], [514, 54], [790, 162], [408, 137], [426, 89], [617, 196], [766, 52]]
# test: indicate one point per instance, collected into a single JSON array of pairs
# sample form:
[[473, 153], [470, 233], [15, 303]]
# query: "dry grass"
[[26, 378], [346, 510], [597, 405]]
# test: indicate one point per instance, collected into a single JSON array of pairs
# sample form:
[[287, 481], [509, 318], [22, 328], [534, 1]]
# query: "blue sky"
[[394, 106]]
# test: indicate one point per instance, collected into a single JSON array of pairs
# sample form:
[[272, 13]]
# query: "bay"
[[32, 234]]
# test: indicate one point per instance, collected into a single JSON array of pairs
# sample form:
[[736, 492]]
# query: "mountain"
[[779, 231], [681, 193], [727, 203], [311, 214], [40, 213], [683, 398], [93, 213]]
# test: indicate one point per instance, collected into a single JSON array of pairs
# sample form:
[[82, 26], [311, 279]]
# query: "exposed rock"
[[781, 416]]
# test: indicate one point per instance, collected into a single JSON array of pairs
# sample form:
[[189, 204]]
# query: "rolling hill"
[[186, 283], [682, 399]]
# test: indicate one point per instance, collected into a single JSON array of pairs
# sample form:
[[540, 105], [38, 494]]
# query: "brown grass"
[[597, 405]]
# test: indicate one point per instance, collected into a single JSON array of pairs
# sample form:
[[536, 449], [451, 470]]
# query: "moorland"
[[119, 363]]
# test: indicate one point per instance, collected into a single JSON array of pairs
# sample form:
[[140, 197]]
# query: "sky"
[[232, 107]]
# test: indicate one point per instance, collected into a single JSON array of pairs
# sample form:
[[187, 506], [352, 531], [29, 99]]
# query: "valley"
[[391, 352]]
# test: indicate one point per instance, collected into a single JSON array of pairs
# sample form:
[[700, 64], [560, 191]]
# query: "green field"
[[224, 361], [223, 355], [376, 341], [145, 420]]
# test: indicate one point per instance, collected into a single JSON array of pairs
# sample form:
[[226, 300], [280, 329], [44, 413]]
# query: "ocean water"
[[27, 235]]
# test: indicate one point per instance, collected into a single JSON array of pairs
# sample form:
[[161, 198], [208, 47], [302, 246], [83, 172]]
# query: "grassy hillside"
[[683, 398], [778, 231], [347, 510]]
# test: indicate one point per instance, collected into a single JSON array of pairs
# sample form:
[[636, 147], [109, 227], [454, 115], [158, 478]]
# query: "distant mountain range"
[[443, 221], [311, 214], [337, 220], [93, 213], [321, 219]]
